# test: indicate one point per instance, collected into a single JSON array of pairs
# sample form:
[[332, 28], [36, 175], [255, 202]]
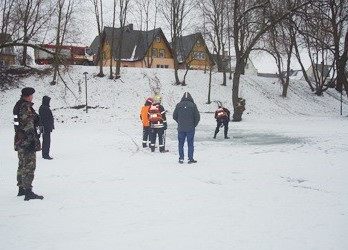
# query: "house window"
[[154, 52], [166, 66], [158, 39], [161, 53], [158, 66], [199, 56]]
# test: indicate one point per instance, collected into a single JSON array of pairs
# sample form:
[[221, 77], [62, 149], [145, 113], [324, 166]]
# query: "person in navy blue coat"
[[187, 116]]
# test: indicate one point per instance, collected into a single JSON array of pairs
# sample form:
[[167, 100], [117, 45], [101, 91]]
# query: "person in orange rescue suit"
[[222, 116], [144, 117], [158, 124]]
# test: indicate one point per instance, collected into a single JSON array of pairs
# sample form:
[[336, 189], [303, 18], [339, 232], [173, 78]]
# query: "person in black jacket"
[[47, 121], [222, 116], [187, 116]]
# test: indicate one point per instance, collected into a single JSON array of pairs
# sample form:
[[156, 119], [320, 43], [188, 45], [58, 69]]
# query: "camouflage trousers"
[[26, 168]]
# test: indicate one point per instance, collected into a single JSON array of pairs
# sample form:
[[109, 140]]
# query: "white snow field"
[[280, 182]]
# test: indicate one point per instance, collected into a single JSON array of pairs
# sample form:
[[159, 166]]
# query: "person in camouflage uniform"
[[26, 143]]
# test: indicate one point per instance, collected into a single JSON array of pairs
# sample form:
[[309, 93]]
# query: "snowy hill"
[[279, 182], [125, 97]]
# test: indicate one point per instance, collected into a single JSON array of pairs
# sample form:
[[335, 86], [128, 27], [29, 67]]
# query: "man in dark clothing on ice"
[[47, 121], [222, 116], [187, 116]]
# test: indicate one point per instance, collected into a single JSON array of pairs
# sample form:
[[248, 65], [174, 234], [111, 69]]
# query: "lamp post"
[[86, 73]]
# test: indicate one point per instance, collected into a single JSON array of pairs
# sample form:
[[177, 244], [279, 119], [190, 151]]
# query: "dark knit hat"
[[28, 91]]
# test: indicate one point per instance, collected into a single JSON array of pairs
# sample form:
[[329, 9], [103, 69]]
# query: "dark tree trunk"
[[341, 63], [209, 86], [119, 55], [25, 52], [224, 74]]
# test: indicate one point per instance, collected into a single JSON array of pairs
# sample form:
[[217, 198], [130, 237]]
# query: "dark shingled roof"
[[5, 38], [135, 43]]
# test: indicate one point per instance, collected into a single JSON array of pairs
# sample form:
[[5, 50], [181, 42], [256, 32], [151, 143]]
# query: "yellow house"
[[193, 53], [140, 49]]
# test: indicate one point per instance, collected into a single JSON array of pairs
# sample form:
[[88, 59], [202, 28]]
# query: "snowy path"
[[274, 185]]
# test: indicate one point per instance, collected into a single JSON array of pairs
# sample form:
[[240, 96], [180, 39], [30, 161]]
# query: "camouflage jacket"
[[26, 137]]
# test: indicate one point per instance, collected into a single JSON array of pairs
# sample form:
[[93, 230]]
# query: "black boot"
[[21, 191], [144, 145], [47, 157], [30, 195]]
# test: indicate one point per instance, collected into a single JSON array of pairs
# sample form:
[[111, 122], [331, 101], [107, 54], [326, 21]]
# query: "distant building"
[[140, 49], [7, 55], [193, 53], [320, 69]]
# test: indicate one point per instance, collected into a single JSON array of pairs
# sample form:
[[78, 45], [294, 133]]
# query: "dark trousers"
[[46, 144], [218, 125], [153, 136], [190, 140], [146, 135]]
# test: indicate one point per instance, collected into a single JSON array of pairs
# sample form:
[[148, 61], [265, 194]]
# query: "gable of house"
[[136, 44], [193, 51]]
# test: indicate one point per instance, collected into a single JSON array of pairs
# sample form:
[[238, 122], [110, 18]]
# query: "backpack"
[[221, 113], [155, 115]]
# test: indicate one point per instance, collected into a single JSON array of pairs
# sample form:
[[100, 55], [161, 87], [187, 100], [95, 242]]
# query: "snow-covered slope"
[[280, 182], [123, 98]]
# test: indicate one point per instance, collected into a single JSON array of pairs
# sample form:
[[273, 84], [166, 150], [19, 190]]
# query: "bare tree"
[[8, 25], [175, 13], [251, 20], [112, 38], [279, 43], [123, 11], [217, 20], [148, 11], [31, 17], [98, 12], [64, 12], [338, 17]]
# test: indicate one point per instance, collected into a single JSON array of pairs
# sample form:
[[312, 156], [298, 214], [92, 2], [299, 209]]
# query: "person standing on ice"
[[26, 143], [47, 121], [187, 116], [222, 116], [144, 117], [158, 124]]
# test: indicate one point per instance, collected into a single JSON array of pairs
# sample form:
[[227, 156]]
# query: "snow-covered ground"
[[280, 182]]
